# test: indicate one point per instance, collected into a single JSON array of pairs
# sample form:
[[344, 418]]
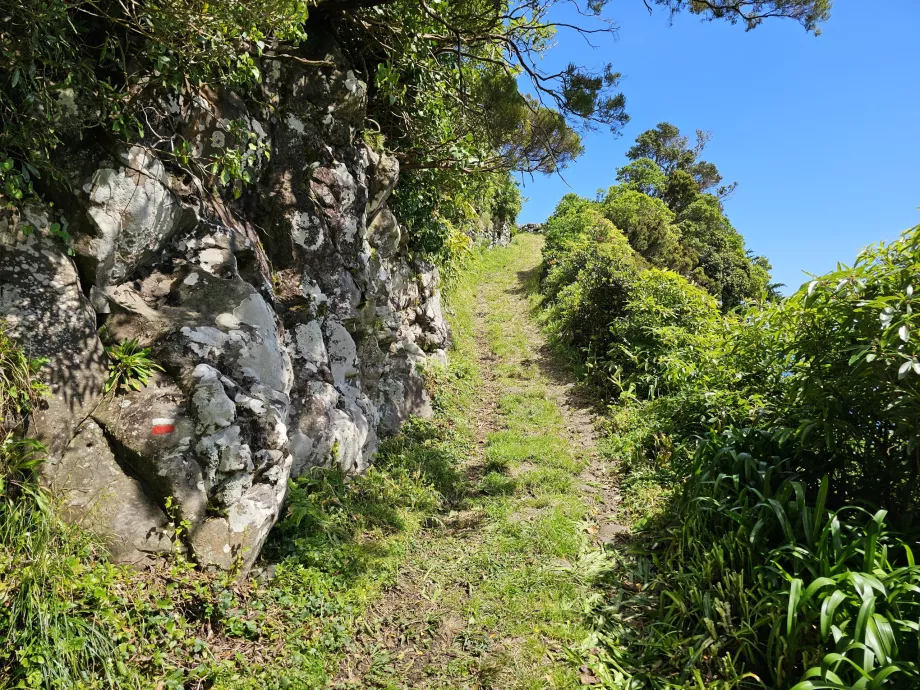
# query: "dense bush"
[[640, 331], [669, 207], [785, 557], [757, 582]]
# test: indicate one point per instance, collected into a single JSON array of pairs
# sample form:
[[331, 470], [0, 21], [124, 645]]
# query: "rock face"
[[290, 324]]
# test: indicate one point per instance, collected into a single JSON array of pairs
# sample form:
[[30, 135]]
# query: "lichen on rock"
[[291, 324]]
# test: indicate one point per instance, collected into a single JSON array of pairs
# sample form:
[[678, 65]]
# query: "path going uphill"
[[493, 595]]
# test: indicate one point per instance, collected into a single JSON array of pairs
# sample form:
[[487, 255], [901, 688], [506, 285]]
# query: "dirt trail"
[[491, 597]]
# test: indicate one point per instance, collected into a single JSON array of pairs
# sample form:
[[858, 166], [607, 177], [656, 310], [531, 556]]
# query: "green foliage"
[[415, 475], [445, 84], [700, 241], [661, 207], [20, 388], [590, 270], [768, 556], [74, 66], [755, 577], [665, 333], [839, 360], [506, 201], [130, 367], [751, 13], [648, 224], [639, 331]]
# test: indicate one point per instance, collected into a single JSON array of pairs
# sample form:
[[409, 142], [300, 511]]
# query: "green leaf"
[[795, 593], [827, 611]]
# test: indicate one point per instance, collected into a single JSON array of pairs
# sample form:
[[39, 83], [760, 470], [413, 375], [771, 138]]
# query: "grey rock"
[[132, 213], [97, 493], [45, 312], [384, 175], [384, 234], [295, 346], [153, 434]]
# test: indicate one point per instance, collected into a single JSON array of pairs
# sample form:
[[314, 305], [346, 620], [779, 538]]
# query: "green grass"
[[512, 578]]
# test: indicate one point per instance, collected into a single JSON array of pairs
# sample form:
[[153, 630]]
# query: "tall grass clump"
[[51, 638], [769, 460]]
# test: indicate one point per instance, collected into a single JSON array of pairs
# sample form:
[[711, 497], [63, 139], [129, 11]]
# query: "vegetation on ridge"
[[769, 459]]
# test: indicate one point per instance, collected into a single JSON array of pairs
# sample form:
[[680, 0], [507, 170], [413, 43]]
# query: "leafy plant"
[[20, 387], [131, 366], [781, 551], [755, 570]]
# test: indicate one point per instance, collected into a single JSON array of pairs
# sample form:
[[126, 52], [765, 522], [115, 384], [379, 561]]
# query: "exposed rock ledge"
[[284, 348]]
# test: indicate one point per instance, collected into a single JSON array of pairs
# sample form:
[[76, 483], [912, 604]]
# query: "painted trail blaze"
[[163, 426]]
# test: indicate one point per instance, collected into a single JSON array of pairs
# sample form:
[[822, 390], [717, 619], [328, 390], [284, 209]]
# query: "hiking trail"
[[493, 595]]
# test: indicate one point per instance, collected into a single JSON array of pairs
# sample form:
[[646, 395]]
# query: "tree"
[[809, 13], [648, 225], [675, 156], [444, 83], [645, 176], [662, 206]]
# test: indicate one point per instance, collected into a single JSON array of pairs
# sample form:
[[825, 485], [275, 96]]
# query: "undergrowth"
[[768, 461], [72, 619]]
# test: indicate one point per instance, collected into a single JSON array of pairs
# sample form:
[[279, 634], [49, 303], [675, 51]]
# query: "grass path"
[[492, 594]]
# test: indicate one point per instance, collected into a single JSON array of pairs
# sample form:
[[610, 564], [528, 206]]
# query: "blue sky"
[[822, 133]]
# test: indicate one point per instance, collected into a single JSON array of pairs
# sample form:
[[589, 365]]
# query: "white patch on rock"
[[134, 213], [204, 339], [213, 408], [262, 359], [228, 321], [312, 291], [296, 124], [310, 345], [214, 258], [218, 139], [304, 227], [343, 354]]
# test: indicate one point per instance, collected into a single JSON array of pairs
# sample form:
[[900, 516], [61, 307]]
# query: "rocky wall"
[[290, 324]]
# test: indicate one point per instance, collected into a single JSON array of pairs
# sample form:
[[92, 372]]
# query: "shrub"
[[756, 578], [779, 553], [130, 367]]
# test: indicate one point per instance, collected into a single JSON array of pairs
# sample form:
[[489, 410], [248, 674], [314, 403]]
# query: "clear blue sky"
[[822, 133]]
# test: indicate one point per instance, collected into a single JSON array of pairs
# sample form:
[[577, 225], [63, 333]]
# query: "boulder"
[[100, 494], [43, 309], [383, 174], [132, 215], [384, 234]]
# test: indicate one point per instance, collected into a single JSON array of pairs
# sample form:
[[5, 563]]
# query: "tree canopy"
[[662, 206]]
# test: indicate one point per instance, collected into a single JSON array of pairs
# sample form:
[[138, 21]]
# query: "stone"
[[384, 234], [213, 408], [152, 433], [133, 214], [225, 542], [383, 179], [44, 310], [96, 492]]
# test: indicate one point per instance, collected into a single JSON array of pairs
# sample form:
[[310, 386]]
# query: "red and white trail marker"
[[163, 426]]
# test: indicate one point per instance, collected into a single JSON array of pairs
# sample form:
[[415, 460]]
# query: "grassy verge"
[[71, 619], [482, 506]]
